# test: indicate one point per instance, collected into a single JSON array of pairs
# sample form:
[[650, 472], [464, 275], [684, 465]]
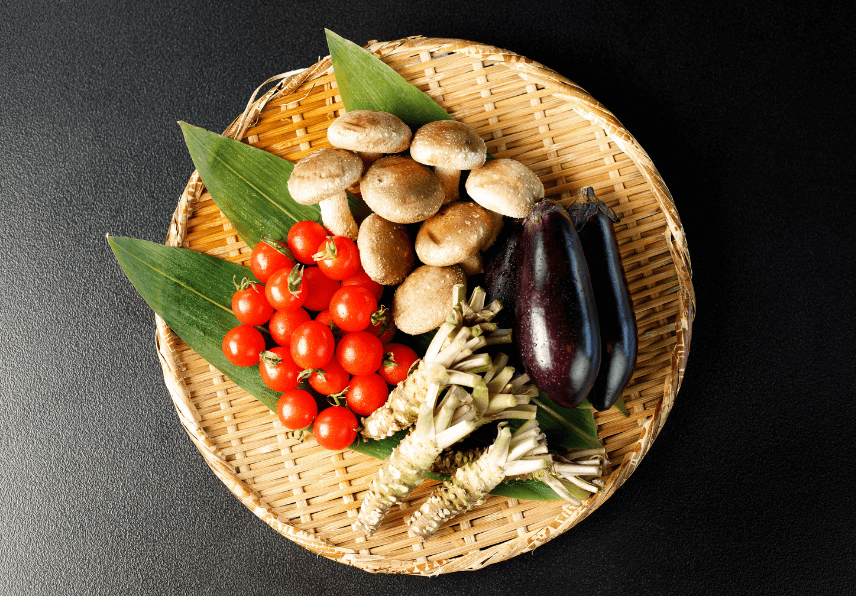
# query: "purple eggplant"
[[557, 329], [594, 223], [500, 272]]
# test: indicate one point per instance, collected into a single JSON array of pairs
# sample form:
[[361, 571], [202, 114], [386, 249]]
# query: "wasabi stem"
[[470, 483], [449, 360]]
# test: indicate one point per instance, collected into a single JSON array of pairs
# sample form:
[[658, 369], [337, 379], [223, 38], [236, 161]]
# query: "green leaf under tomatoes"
[[250, 186], [192, 293]]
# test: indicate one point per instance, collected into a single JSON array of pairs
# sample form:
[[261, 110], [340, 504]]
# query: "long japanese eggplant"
[[500, 272], [594, 220], [557, 330]]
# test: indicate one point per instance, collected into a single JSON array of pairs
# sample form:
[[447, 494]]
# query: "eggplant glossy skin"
[[557, 329], [616, 317], [500, 273]]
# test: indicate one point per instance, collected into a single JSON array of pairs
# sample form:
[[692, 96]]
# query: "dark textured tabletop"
[[744, 110]]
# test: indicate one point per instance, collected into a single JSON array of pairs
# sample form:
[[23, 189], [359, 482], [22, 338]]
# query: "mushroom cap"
[[448, 144], [323, 174], [386, 251], [422, 302], [401, 190], [455, 232], [505, 186], [369, 131]]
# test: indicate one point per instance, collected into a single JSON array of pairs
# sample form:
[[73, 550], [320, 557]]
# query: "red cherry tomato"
[[304, 238], [312, 345], [285, 289], [278, 370], [382, 325], [242, 345], [296, 409], [361, 278], [397, 360], [330, 378], [366, 393], [360, 353], [338, 257], [325, 318], [335, 428], [352, 308], [283, 323], [250, 304], [319, 288], [269, 256]]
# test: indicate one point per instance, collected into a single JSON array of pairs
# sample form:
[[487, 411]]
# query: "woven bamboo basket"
[[524, 111]]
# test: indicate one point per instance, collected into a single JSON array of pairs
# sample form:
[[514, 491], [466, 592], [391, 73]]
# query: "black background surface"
[[745, 111]]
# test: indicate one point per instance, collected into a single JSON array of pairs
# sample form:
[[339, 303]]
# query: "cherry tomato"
[[335, 428], [366, 393], [382, 325], [304, 237], [330, 378], [360, 353], [319, 288], [352, 308], [242, 345], [285, 289], [283, 323], [250, 304], [269, 256], [361, 278], [296, 409], [397, 360], [312, 345], [278, 370], [325, 318], [338, 257]]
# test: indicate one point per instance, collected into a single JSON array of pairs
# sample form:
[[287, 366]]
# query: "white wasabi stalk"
[[451, 352]]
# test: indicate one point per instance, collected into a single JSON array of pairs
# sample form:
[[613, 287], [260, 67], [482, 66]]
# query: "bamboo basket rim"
[[583, 104]]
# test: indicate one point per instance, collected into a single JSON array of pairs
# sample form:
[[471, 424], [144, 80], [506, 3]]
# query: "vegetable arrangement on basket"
[[571, 328]]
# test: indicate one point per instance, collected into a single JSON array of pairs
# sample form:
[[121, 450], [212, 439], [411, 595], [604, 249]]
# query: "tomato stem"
[[330, 251]]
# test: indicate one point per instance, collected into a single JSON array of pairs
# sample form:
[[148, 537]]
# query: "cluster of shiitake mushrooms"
[[369, 149]]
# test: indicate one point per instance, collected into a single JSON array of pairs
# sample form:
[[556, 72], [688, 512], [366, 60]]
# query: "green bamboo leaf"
[[366, 83], [192, 293], [570, 428], [250, 186], [621, 407]]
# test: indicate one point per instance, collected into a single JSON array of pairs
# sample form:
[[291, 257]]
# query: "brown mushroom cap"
[[448, 144], [323, 174], [401, 190], [505, 186], [422, 302], [386, 251], [369, 131], [455, 232]]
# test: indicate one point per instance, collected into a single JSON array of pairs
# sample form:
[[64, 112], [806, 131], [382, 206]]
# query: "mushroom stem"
[[336, 216], [449, 180]]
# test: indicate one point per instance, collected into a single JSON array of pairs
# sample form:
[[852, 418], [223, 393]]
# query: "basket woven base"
[[523, 111]]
